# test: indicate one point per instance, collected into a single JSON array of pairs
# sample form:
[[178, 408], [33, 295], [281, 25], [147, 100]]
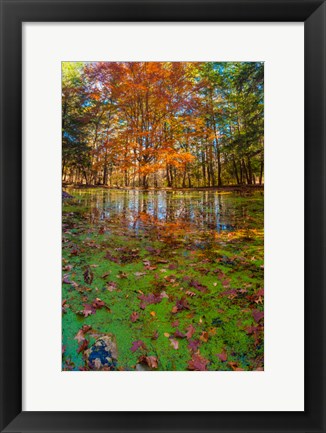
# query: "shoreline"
[[240, 188]]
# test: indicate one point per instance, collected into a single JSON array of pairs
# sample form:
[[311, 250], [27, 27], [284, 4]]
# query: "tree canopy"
[[163, 124]]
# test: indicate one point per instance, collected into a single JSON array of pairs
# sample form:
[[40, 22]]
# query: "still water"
[[203, 210]]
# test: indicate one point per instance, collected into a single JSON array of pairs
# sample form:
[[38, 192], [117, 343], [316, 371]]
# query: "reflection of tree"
[[135, 210]]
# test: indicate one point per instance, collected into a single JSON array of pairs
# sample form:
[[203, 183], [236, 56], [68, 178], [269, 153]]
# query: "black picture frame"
[[13, 14]]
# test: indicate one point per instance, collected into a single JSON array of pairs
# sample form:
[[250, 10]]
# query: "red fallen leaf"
[[149, 299], [172, 266], [136, 345], [190, 331], [174, 310], [198, 362], [222, 356], [83, 346], [179, 334], [88, 310], [134, 316], [151, 361], [98, 303], [257, 315], [252, 329], [260, 292], [182, 304], [229, 292], [193, 345], [175, 324], [200, 287], [153, 250], [174, 343], [111, 258]]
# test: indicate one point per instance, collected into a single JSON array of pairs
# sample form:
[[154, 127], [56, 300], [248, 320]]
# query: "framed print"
[[162, 216]]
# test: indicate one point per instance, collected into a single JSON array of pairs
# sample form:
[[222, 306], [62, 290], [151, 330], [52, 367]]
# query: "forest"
[[163, 124], [163, 216]]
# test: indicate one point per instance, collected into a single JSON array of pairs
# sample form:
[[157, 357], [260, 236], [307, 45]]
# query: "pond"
[[202, 209], [175, 278]]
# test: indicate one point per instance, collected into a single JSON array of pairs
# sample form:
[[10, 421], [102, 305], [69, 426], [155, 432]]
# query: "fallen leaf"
[[137, 345], [174, 343], [222, 356], [198, 362], [257, 315], [134, 316], [88, 310], [190, 331], [204, 336]]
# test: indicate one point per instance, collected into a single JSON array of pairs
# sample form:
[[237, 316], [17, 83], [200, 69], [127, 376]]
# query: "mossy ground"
[[194, 282]]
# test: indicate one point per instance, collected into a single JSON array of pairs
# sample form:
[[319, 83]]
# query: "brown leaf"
[[198, 362], [190, 331], [204, 336], [83, 346], [134, 316]]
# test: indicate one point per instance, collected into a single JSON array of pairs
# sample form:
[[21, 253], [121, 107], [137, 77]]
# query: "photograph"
[[162, 216]]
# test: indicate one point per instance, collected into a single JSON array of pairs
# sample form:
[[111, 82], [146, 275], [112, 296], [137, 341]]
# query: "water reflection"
[[202, 209]]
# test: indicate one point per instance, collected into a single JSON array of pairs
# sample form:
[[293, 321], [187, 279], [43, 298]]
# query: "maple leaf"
[[257, 315], [198, 362], [98, 303], [137, 345], [200, 287], [193, 345], [134, 316], [151, 361], [222, 356], [149, 299], [88, 310], [182, 304], [175, 324], [190, 331], [111, 258], [179, 334]]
